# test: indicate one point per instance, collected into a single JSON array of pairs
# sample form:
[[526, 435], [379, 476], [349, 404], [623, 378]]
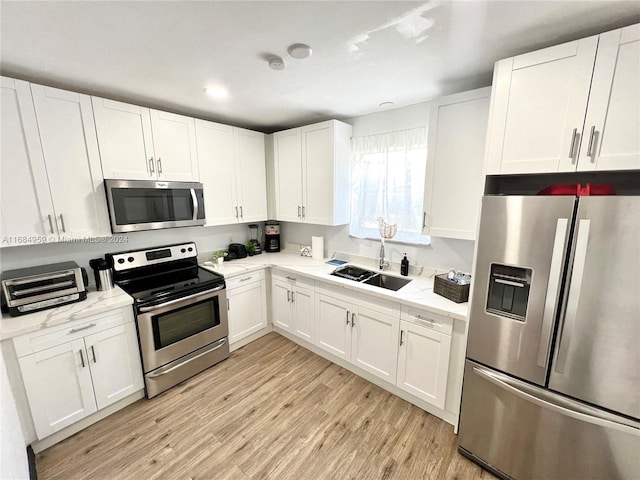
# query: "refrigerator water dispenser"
[[508, 294]]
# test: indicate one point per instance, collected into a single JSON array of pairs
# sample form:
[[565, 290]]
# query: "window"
[[388, 182]]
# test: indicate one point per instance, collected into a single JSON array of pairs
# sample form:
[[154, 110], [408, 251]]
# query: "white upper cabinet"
[[312, 171], [232, 170], [137, 143], [455, 161], [23, 176], [68, 139], [50, 164], [569, 107]]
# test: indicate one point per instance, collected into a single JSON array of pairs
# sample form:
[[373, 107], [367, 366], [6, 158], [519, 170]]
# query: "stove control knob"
[[190, 249], [182, 250], [130, 259], [121, 260]]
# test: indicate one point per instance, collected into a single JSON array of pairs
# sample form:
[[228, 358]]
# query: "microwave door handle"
[[194, 200], [553, 287], [573, 299]]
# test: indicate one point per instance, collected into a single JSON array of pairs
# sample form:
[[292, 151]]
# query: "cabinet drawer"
[[245, 279], [361, 299], [293, 279], [427, 319], [51, 337]]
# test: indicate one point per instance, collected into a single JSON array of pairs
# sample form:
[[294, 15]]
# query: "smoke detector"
[[276, 63], [299, 50]]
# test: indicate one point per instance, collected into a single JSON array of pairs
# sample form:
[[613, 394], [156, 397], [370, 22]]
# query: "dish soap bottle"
[[404, 266]]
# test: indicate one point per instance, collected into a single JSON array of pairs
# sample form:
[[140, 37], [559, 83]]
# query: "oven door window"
[[176, 325], [149, 205]]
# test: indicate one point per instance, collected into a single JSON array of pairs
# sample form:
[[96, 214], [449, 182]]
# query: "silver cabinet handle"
[[299, 216], [245, 279], [591, 137], [293, 296], [553, 288], [237, 212], [62, 223], [151, 168], [159, 165], [575, 286], [74, 330], [401, 335], [347, 317], [424, 220], [288, 296], [93, 353], [81, 358], [353, 320], [303, 214], [241, 214], [50, 223], [228, 308], [291, 278], [573, 144]]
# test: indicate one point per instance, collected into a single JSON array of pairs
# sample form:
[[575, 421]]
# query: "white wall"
[[442, 253], [13, 450], [207, 239]]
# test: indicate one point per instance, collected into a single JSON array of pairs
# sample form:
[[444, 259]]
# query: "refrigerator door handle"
[[506, 384], [573, 299], [553, 288]]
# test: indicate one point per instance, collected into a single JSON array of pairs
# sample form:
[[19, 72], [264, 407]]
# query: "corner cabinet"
[[246, 305], [455, 161], [47, 133], [138, 143], [312, 173], [73, 370], [571, 107], [233, 171]]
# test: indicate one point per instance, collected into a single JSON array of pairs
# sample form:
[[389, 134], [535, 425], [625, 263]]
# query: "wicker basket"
[[451, 290]]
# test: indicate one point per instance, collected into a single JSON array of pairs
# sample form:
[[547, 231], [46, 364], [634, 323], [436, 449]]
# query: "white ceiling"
[[163, 53]]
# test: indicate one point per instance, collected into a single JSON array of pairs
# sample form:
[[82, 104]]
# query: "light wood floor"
[[273, 410]]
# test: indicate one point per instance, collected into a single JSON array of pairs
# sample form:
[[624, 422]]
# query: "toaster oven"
[[31, 289]]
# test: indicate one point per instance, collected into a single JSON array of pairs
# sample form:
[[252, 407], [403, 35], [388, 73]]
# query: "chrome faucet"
[[383, 265]]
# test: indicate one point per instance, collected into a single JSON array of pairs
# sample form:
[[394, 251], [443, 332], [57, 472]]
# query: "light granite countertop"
[[96, 302], [418, 293]]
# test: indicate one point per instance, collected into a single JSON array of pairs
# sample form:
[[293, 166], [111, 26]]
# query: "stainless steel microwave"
[[136, 205]]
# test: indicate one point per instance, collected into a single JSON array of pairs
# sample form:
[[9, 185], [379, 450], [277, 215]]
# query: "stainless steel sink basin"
[[387, 281]]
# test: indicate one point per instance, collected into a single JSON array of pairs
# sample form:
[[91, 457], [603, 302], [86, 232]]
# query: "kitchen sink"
[[387, 281]]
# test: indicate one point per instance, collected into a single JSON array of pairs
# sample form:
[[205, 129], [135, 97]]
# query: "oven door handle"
[[160, 372], [180, 300]]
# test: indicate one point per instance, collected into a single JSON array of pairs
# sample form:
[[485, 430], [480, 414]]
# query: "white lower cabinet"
[[423, 362], [70, 372], [246, 305], [293, 305], [359, 332]]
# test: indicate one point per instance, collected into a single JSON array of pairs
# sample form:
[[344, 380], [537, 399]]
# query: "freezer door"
[[597, 358], [527, 432], [522, 246]]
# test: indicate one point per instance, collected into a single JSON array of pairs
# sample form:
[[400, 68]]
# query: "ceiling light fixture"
[[386, 105], [276, 63], [216, 91], [299, 50]]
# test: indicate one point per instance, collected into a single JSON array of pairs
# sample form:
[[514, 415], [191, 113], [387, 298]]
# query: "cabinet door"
[[317, 173], [611, 139], [375, 343], [247, 307], [58, 386], [216, 164], [454, 176], [23, 176], [125, 141], [423, 365], [68, 138], [333, 325], [288, 175], [538, 108], [174, 144], [282, 313], [114, 359], [303, 313], [251, 176]]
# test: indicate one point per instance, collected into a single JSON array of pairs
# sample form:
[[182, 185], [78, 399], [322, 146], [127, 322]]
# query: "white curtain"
[[388, 181]]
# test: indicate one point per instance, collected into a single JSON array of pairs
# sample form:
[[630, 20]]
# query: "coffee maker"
[[272, 236], [254, 233]]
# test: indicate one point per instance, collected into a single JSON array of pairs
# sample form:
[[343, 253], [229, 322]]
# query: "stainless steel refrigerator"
[[551, 384]]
